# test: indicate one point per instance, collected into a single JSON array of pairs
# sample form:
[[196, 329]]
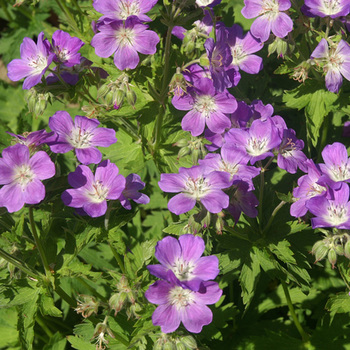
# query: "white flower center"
[[205, 105], [181, 297], [238, 54], [62, 55], [203, 3], [230, 168], [330, 7], [270, 8], [197, 188], [340, 173], [337, 214], [80, 138], [287, 148], [99, 193], [256, 147], [125, 36], [335, 61], [38, 63], [128, 8], [23, 175], [315, 190], [183, 269]]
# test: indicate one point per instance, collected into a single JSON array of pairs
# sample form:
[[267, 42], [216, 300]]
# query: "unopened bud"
[[332, 257], [117, 301], [131, 97], [118, 97], [204, 61], [180, 346], [183, 152], [189, 341], [109, 97], [320, 250], [102, 90], [169, 346], [87, 305], [347, 249]]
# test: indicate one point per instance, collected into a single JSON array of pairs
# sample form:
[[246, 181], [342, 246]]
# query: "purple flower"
[[66, 48], [132, 187], [270, 17], [124, 39], [122, 9], [179, 32], [22, 175], [346, 129], [337, 164], [309, 186], [258, 141], [83, 136], [323, 8], [35, 59], [336, 62], [219, 56], [206, 106], [91, 192], [290, 156], [208, 3], [177, 305], [332, 210], [195, 184], [182, 262], [242, 47], [34, 139]]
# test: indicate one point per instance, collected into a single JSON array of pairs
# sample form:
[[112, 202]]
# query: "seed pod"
[[131, 97], [189, 341], [320, 250], [332, 257], [347, 249]]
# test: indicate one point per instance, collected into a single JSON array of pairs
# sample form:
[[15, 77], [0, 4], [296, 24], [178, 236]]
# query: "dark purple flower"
[[346, 129], [32, 139], [337, 164], [124, 39], [335, 61], [132, 187], [83, 135], [323, 8], [181, 262], [206, 106], [270, 17], [309, 186], [219, 56], [34, 61], [22, 175], [177, 305], [290, 156], [258, 141], [195, 184], [66, 48], [91, 192], [332, 210], [123, 9]]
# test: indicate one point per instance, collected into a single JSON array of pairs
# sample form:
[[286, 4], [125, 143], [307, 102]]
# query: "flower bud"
[[117, 301], [178, 83], [103, 90], [347, 249], [332, 257], [169, 346], [87, 305], [118, 97], [180, 346], [131, 97], [320, 250], [189, 342]]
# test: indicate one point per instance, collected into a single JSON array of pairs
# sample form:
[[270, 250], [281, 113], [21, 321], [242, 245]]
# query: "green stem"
[[75, 3], [261, 194], [70, 301], [38, 243], [300, 329], [118, 258], [272, 217], [158, 127], [323, 141], [59, 78], [70, 18], [127, 127], [7, 13], [43, 326], [165, 81], [19, 264]]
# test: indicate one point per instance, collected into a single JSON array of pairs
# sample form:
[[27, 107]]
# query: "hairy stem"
[[118, 258], [272, 217]]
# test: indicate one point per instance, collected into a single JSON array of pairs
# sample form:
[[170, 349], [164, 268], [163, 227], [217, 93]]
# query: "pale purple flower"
[[123, 9], [258, 141], [124, 39], [323, 8], [336, 164], [242, 48], [177, 304], [181, 261], [309, 186], [33, 139], [90, 192], [270, 17], [195, 184], [83, 135], [133, 185], [34, 61], [22, 175], [332, 210], [335, 61], [206, 107], [66, 48], [179, 32]]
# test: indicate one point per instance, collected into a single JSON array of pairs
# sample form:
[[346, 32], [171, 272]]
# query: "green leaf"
[[176, 228], [8, 328], [47, 306], [288, 198], [282, 251], [57, 342], [26, 321], [80, 344], [339, 303]]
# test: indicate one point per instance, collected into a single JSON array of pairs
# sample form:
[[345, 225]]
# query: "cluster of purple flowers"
[[324, 190], [36, 59], [185, 287], [21, 174], [121, 31], [225, 180]]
